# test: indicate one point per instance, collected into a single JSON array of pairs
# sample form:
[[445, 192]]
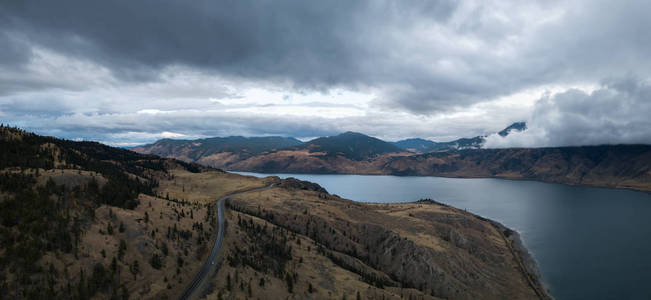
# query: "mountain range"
[[351, 145], [621, 166], [419, 145]]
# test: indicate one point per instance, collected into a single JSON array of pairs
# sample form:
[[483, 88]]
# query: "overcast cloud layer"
[[129, 72]]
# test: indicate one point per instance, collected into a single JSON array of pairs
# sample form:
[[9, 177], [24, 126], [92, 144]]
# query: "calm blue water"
[[590, 243]]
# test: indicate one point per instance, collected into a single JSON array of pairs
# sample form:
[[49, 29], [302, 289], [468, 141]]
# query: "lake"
[[590, 243]]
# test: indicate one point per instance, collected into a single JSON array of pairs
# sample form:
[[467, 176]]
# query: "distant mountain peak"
[[352, 134], [517, 126], [424, 146], [416, 145], [353, 145]]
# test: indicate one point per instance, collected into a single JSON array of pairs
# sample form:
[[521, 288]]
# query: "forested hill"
[[351, 145], [127, 173], [195, 150], [50, 192]]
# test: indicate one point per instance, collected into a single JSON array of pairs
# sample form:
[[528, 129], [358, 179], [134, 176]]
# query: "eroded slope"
[[297, 241]]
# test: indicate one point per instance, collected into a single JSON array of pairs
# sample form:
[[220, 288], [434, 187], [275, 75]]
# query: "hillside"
[[222, 149], [417, 145], [348, 152], [351, 145], [619, 166], [296, 241], [81, 219]]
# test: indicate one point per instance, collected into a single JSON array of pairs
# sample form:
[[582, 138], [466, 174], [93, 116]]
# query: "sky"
[[131, 72]]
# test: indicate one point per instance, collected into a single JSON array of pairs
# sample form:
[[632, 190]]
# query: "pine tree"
[[164, 248], [81, 288], [125, 293], [114, 265], [135, 269], [121, 249], [290, 283], [156, 261]]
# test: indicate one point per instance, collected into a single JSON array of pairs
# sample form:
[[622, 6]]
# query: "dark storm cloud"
[[14, 51], [423, 55], [311, 43]]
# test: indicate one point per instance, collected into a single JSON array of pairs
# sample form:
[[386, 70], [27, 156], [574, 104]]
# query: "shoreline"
[[527, 263], [612, 187]]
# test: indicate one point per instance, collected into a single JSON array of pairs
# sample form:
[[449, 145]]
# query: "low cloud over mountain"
[[615, 113]]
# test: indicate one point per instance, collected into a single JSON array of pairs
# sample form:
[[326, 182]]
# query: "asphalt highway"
[[210, 262]]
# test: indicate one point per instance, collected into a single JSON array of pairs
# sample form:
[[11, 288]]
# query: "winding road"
[[205, 269]]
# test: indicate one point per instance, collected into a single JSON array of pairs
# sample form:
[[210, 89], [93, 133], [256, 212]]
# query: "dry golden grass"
[[69, 177], [205, 187], [143, 239], [423, 236], [441, 235], [146, 229], [328, 280], [303, 161]]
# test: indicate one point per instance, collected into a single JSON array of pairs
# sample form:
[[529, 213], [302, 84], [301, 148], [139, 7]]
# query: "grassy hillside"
[[296, 241], [621, 166], [81, 219], [195, 150], [417, 145]]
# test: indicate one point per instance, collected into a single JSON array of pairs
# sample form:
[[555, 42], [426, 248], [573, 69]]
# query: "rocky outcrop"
[[293, 183]]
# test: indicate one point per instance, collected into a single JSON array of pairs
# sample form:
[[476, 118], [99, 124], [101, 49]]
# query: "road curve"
[[205, 269]]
